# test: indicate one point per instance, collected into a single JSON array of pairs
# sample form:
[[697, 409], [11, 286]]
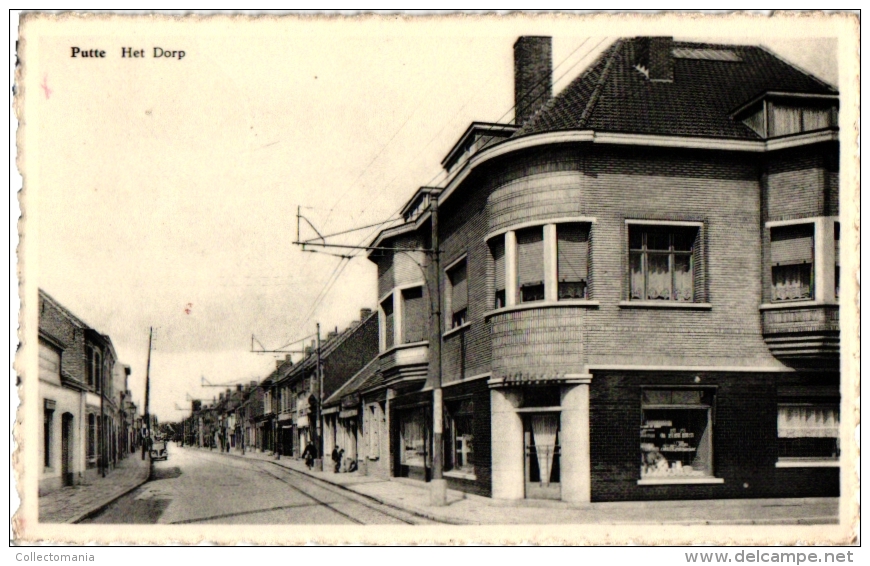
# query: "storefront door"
[[541, 443]]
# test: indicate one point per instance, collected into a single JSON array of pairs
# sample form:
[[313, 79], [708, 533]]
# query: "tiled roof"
[[354, 383], [709, 84]]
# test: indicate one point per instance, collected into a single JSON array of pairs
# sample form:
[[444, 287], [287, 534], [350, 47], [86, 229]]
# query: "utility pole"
[[147, 393], [439, 484], [319, 417]]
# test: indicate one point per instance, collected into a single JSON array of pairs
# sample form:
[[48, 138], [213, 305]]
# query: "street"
[[198, 486]]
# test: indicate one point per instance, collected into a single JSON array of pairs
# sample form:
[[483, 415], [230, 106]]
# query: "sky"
[[165, 192]]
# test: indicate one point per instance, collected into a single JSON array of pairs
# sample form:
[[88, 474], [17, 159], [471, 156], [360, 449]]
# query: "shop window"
[[457, 293], [498, 258], [415, 315], [808, 430], [662, 262], [460, 436], [387, 310], [676, 439], [530, 265], [572, 244], [791, 259], [412, 438]]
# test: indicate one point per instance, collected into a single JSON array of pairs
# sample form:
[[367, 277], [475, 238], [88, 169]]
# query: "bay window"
[[662, 262], [415, 315], [457, 294], [676, 436], [530, 265], [389, 323], [547, 262], [791, 259]]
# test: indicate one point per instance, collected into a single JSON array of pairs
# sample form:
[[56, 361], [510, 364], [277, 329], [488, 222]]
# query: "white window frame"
[[398, 303], [824, 261]]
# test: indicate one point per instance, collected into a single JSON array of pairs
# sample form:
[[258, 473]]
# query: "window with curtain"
[[459, 436], [543, 451], [662, 262], [415, 313], [497, 250], [572, 245], [676, 438], [809, 429], [457, 278], [791, 258], [389, 330], [530, 264]]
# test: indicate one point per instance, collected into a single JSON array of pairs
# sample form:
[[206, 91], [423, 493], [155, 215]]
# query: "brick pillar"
[[508, 479], [574, 438]]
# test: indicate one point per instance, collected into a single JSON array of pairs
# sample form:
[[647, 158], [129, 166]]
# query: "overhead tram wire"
[[336, 273]]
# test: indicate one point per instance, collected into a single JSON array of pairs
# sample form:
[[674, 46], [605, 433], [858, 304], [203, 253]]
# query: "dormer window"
[[771, 118]]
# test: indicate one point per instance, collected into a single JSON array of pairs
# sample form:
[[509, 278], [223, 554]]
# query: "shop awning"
[[348, 413], [330, 410]]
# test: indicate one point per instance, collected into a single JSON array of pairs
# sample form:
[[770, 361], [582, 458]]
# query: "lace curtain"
[[808, 422], [544, 431]]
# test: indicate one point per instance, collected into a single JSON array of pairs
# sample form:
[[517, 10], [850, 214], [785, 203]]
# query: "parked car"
[[159, 450]]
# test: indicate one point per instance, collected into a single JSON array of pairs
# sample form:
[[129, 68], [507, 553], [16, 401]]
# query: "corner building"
[[640, 285]]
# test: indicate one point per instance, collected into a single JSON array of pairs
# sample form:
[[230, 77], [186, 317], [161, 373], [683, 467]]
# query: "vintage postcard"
[[406, 279]]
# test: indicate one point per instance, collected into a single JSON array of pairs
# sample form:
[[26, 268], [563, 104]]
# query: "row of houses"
[[90, 421], [631, 292]]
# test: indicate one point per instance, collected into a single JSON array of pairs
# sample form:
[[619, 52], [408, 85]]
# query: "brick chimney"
[[364, 313], [533, 75], [654, 56]]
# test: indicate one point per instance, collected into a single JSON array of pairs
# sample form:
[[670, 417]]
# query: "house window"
[[412, 438], [49, 363], [662, 262], [460, 438], [530, 265], [808, 430], [89, 365], [791, 259], [498, 259], [389, 322], [572, 241], [47, 427], [92, 440], [676, 439], [415, 315], [457, 295], [836, 260]]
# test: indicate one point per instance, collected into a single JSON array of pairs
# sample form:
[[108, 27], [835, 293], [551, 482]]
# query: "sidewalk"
[[464, 508], [72, 504]]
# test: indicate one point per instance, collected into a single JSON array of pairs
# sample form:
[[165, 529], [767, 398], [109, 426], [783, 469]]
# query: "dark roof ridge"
[[596, 92]]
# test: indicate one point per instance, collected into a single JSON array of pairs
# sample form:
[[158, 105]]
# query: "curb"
[[88, 514], [407, 509]]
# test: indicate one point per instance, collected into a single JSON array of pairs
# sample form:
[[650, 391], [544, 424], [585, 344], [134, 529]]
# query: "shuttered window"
[[497, 249], [415, 314], [791, 257], [572, 254], [387, 308], [791, 244], [457, 277], [530, 264]]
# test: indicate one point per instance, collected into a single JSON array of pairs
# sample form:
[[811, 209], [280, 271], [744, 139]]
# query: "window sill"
[[807, 463], [542, 305], [678, 481], [456, 330], [460, 475], [800, 304], [664, 305]]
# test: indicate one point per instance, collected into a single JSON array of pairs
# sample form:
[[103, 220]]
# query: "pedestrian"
[[336, 458], [309, 454]]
